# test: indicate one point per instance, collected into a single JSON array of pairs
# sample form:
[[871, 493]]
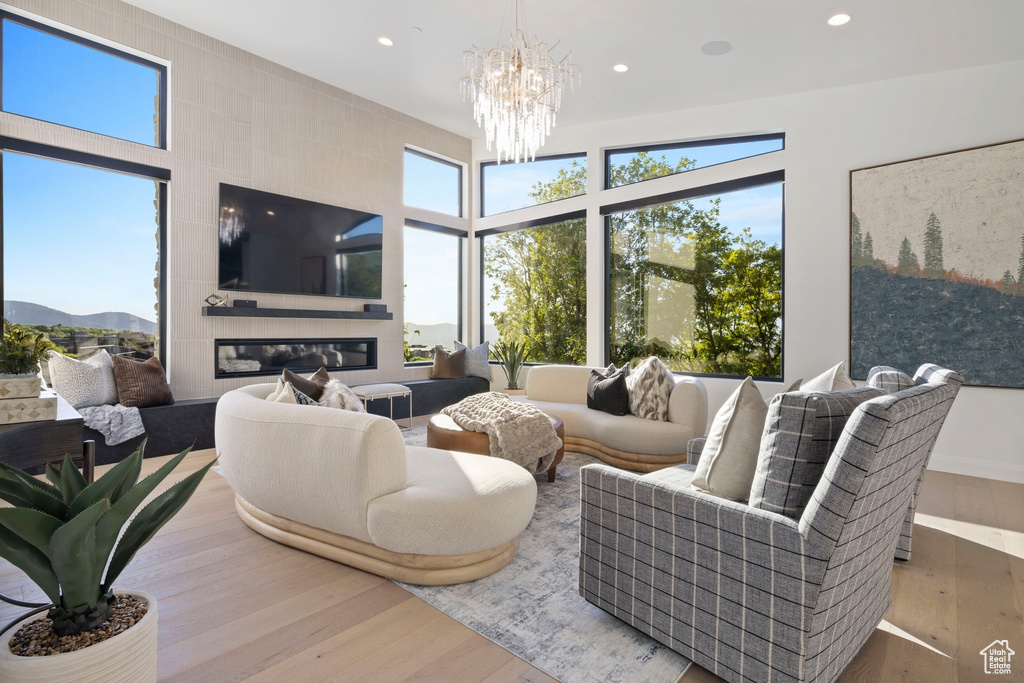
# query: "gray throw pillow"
[[889, 380], [650, 386], [800, 433], [477, 360]]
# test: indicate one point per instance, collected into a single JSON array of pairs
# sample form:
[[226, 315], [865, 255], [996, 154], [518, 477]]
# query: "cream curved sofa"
[[625, 441], [344, 485]]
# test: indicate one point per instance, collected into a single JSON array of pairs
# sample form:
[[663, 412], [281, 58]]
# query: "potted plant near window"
[[511, 355], [20, 354], [63, 535]]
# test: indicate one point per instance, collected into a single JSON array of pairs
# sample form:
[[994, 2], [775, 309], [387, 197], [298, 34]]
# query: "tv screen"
[[272, 243]]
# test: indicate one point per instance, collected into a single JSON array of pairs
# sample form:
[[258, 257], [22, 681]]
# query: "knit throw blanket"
[[517, 431]]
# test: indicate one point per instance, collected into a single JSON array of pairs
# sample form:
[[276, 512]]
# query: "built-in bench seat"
[[189, 422]]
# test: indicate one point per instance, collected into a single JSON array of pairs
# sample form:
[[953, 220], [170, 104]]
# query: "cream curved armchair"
[[344, 485]]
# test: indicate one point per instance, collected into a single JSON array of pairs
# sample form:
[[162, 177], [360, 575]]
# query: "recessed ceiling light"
[[271, 213], [839, 20], [385, 41], [621, 68], [716, 48]]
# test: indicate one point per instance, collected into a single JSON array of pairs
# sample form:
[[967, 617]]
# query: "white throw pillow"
[[338, 395], [283, 393], [729, 459], [84, 383], [650, 387], [833, 379]]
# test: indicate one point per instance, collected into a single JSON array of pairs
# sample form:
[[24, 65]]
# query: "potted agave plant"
[[20, 354], [63, 535], [511, 355]]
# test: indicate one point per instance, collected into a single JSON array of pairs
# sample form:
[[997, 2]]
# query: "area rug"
[[532, 607]]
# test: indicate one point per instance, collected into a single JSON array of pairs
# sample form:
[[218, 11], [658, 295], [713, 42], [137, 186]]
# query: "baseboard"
[[977, 467]]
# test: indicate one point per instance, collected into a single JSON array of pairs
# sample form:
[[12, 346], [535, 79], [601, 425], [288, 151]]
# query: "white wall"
[[828, 134]]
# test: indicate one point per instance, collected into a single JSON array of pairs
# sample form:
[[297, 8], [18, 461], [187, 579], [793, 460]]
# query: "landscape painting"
[[937, 265]]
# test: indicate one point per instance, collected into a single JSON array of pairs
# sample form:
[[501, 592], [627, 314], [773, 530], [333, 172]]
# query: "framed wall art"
[[937, 265]]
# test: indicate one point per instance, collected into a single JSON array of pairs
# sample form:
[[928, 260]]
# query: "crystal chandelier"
[[232, 222], [516, 91]]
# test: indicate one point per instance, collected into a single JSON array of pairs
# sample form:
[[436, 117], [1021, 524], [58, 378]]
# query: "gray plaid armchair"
[[754, 595]]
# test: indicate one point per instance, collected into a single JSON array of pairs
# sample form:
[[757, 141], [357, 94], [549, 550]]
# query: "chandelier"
[[516, 91], [232, 222]]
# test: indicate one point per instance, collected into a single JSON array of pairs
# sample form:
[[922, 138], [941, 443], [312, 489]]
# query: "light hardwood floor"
[[236, 606]]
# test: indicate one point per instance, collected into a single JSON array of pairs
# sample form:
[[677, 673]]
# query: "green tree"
[[1020, 272], [856, 242], [907, 261], [1006, 286], [869, 251], [684, 287], [933, 266]]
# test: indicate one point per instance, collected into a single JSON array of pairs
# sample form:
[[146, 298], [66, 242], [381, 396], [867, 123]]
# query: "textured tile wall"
[[240, 119]]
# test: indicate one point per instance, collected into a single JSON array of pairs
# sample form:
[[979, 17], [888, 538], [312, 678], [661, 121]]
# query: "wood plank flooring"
[[235, 606]]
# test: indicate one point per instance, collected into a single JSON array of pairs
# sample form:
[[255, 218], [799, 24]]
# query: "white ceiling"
[[779, 46]]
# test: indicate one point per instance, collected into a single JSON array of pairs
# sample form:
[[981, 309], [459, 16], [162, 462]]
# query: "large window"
[[506, 187], [635, 164], [696, 279], [432, 183], [62, 78], [81, 248], [535, 289], [433, 289]]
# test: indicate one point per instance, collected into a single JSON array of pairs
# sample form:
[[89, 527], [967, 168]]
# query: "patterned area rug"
[[533, 609]]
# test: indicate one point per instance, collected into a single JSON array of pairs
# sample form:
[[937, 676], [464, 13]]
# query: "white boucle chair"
[[625, 441], [345, 486]]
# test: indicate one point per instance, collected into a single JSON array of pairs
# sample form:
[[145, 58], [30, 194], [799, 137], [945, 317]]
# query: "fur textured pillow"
[[84, 383], [338, 395], [650, 386]]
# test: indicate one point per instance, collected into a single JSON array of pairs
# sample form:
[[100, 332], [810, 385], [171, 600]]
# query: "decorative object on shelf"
[[63, 535], [937, 264], [516, 90], [511, 355], [216, 300]]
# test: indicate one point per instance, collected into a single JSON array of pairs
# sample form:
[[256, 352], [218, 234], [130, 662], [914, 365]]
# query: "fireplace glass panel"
[[244, 357]]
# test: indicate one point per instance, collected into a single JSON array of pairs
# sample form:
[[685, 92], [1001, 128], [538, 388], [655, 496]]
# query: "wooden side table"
[[33, 444]]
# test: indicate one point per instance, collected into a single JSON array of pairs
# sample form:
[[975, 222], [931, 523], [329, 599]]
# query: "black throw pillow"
[[607, 391]]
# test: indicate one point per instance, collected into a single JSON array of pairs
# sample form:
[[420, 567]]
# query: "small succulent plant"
[[62, 534], [511, 355]]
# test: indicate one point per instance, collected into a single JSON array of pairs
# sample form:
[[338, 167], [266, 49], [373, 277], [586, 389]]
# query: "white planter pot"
[[19, 386], [128, 657]]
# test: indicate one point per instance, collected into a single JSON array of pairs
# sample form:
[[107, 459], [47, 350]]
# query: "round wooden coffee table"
[[442, 432]]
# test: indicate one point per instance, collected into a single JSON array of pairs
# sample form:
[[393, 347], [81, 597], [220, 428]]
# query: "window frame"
[[462, 235], [513, 227], [161, 175], [6, 15], [423, 154], [710, 190], [635, 149], [549, 157]]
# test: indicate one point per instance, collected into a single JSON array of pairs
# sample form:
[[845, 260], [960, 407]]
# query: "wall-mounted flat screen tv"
[[272, 243]]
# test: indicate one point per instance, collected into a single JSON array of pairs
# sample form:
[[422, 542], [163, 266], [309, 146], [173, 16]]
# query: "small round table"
[[442, 432]]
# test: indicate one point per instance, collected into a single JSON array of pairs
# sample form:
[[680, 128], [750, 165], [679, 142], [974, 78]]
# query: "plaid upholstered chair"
[[749, 593]]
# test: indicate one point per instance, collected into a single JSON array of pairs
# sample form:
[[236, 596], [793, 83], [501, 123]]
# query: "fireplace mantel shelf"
[[245, 312]]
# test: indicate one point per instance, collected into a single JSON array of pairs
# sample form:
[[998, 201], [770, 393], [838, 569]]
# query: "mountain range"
[[442, 334], [26, 313]]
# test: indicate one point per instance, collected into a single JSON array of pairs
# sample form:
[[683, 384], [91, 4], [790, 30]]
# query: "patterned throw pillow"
[[800, 433], [650, 386], [338, 395], [477, 360], [889, 380], [84, 383], [448, 365], [141, 384]]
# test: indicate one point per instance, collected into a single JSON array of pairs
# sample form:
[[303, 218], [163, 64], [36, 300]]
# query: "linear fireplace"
[[251, 357]]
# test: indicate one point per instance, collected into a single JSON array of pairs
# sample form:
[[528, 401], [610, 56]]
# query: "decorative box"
[[33, 409], [19, 386]]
